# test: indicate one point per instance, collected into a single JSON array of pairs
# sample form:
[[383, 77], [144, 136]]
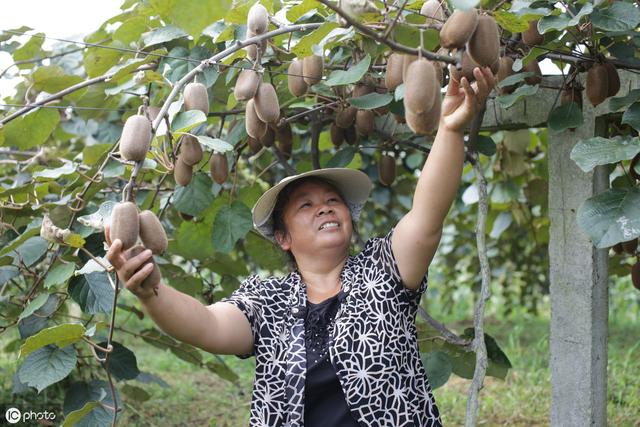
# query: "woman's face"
[[316, 218]]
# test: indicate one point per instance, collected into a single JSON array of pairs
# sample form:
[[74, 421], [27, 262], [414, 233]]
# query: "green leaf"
[[623, 101], [162, 34], [592, 152], [352, 75], [122, 362], [515, 79], [371, 100], [73, 417], [438, 368], [562, 21], [186, 120], [215, 144], [92, 292], [47, 366], [32, 129], [98, 61], [512, 22], [31, 251], [507, 101], [632, 116], [131, 29], [52, 79], [194, 198], [60, 335], [81, 393], [409, 36], [298, 10], [611, 217], [342, 158], [485, 145], [231, 224], [67, 169], [564, 117], [222, 370], [193, 16], [501, 223], [30, 50], [264, 252], [304, 46], [620, 16], [136, 393], [193, 240], [35, 304]]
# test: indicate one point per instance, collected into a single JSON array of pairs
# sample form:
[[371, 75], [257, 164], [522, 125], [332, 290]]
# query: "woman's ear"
[[283, 239]]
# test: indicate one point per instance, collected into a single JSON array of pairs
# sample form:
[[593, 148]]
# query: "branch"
[[448, 335]]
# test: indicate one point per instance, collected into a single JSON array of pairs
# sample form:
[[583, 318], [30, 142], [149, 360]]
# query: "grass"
[[198, 397]]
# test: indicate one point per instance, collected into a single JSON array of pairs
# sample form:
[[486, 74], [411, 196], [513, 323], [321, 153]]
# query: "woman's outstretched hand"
[[464, 100], [128, 269]]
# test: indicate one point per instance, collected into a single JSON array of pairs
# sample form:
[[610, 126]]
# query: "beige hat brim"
[[354, 185]]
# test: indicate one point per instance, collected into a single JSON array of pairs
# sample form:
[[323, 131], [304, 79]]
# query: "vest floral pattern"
[[374, 348]]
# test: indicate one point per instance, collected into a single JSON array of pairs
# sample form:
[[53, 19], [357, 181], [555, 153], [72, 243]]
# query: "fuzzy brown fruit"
[[312, 69], [196, 98], [350, 135], [432, 9], [421, 87], [295, 80], [393, 76], [597, 84], [571, 94], [153, 279], [182, 172], [635, 275], [365, 122], [152, 233], [268, 138], [426, 123], [387, 170], [533, 67], [406, 61], [505, 70], [458, 28], [613, 79], [190, 150], [532, 37], [484, 44], [266, 103], [247, 85], [630, 246], [218, 167], [255, 127], [258, 19], [125, 224], [467, 65], [136, 138], [346, 116], [284, 134], [337, 135], [254, 145]]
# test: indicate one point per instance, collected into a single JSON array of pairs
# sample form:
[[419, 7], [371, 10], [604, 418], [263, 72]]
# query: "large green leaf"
[[60, 335], [507, 101], [122, 362], [222, 370], [187, 120], [30, 50], [195, 197], [131, 29], [35, 304], [47, 366], [409, 35], [623, 101], [193, 16], [371, 100], [162, 34], [98, 61], [592, 152], [611, 217], [93, 292], [80, 394], [342, 157], [632, 116], [562, 21], [438, 368], [215, 144], [564, 117], [193, 240], [73, 417], [231, 224], [30, 130], [31, 251], [67, 168], [352, 75], [264, 252], [305, 44], [620, 16], [52, 79], [300, 9]]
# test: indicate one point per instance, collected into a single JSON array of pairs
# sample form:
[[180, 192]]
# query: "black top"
[[325, 403]]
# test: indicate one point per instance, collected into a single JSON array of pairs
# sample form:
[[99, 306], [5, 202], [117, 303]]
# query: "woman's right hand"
[[128, 269]]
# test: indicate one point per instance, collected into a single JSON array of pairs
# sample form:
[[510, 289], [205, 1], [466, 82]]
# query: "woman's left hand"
[[464, 100]]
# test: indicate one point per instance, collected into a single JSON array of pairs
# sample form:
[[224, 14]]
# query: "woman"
[[335, 339]]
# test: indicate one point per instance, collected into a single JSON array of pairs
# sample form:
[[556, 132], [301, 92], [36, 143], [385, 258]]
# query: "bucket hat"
[[354, 185]]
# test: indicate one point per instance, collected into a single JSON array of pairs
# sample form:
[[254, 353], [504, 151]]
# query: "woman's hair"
[[281, 204]]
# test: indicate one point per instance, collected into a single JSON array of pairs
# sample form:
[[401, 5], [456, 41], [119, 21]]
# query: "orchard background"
[[72, 345]]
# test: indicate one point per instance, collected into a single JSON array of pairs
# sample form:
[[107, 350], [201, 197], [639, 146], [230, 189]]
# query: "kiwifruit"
[[152, 112], [284, 134], [457, 30], [467, 66], [190, 150], [218, 167], [365, 122], [136, 138], [252, 49], [153, 279], [268, 138], [246, 85], [533, 67], [597, 84], [182, 172], [125, 224], [421, 87], [571, 94], [387, 170], [635, 275], [361, 89], [286, 147], [312, 69], [266, 103], [532, 37], [337, 135], [406, 61], [295, 81], [393, 75], [346, 116], [437, 66], [255, 127], [196, 97], [613, 79], [152, 233], [258, 19], [505, 70], [254, 145], [484, 44], [630, 246], [432, 9], [495, 67], [350, 135], [424, 123]]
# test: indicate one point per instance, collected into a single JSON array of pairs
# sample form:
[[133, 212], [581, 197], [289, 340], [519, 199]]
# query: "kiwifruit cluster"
[[218, 167], [484, 44], [532, 67], [190, 154], [127, 225], [422, 100], [387, 168], [303, 73], [458, 28], [154, 277], [434, 12], [257, 23], [247, 85], [262, 109], [136, 138], [603, 82], [190, 150], [340, 135], [196, 97], [532, 36]]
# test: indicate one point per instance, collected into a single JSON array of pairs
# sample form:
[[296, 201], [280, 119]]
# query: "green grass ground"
[[198, 397]]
